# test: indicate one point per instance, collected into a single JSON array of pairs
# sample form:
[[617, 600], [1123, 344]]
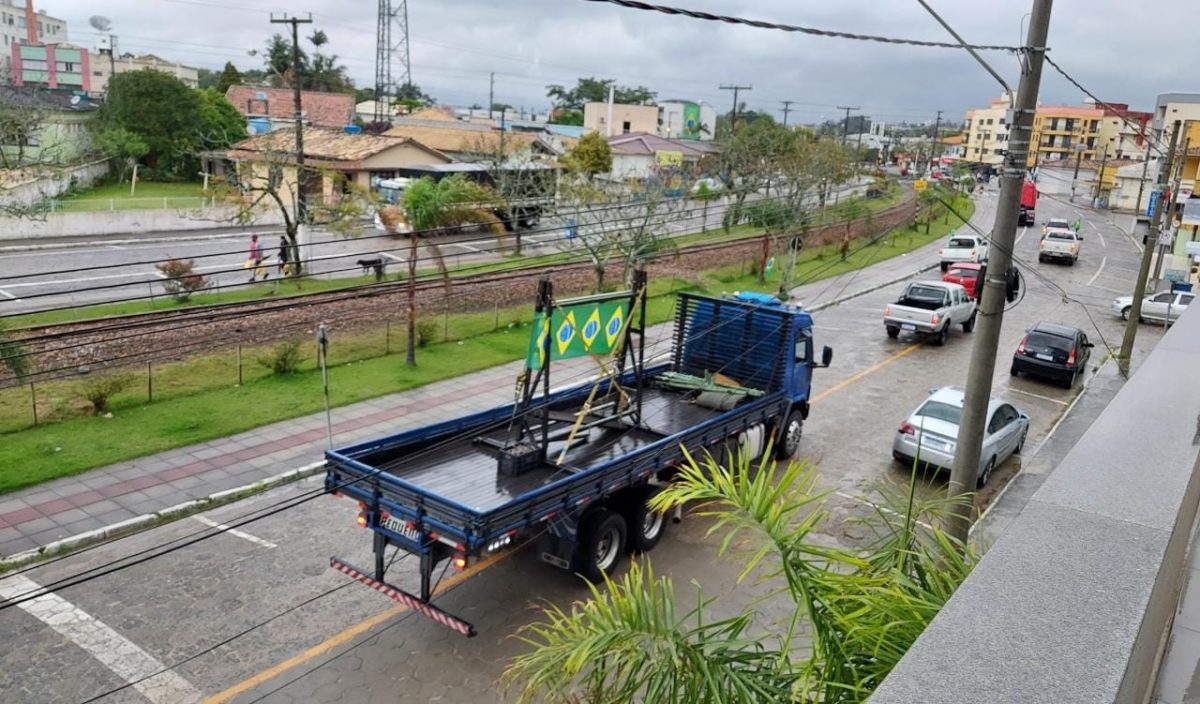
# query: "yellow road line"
[[347, 635], [864, 373]]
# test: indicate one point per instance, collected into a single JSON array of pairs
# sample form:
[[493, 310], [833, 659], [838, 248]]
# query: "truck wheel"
[[646, 527], [893, 332], [970, 324], [1125, 312], [601, 544], [942, 335], [788, 440]]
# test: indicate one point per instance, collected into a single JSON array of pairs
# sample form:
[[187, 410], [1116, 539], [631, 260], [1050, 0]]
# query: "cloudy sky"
[[1115, 48]]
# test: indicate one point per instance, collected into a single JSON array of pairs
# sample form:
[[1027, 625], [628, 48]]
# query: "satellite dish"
[[100, 23], [74, 99]]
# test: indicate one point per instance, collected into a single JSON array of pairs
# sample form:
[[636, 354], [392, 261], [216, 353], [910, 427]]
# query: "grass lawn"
[[149, 195]]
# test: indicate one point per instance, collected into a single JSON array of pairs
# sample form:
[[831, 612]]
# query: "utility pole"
[[937, 128], [967, 465], [298, 116], [787, 107], [1150, 242], [846, 122], [1100, 177], [1075, 178], [491, 93], [1168, 218], [733, 115]]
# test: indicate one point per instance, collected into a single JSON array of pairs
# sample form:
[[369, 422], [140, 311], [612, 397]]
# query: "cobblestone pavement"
[[252, 618]]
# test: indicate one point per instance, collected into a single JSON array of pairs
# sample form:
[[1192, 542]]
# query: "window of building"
[[626, 126], [97, 73], [65, 66]]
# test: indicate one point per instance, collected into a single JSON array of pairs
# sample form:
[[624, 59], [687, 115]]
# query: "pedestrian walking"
[[283, 257], [254, 263], [845, 245]]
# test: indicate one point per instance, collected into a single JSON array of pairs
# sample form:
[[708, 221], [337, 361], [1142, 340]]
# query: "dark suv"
[[1054, 352]]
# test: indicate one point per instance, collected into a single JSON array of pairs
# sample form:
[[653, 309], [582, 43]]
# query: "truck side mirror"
[[826, 356]]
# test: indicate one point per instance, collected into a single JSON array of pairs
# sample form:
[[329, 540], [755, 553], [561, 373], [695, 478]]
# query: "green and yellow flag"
[[578, 329]]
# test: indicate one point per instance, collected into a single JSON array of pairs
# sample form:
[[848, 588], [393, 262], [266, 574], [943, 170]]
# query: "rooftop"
[[326, 145], [320, 109], [459, 136], [45, 98], [644, 143]]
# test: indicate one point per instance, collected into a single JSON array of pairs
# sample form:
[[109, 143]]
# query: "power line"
[[760, 24]]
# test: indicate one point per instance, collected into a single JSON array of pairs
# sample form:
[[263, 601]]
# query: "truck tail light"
[[1021, 347], [460, 562], [907, 428], [1071, 358], [362, 519]]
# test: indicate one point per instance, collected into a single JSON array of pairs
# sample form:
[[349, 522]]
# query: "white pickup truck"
[[930, 308], [1060, 243], [963, 248]]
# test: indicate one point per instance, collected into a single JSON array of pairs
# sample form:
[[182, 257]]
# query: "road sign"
[[920, 184], [1153, 204]]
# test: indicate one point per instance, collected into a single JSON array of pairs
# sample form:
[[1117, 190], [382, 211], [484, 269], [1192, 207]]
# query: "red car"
[[965, 274]]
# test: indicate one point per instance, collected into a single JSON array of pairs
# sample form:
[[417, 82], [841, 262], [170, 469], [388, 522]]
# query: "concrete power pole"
[[787, 107], [733, 115], [937, 129], [298, 116], [846, 122], [491, 93], [966, 470], [1150, 244], [1100, 177]]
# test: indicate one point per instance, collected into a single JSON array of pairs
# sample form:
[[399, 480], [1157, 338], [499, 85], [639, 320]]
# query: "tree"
[[560, 116], [590, 156], [502, 107], [277, 59], [855, 611], [450, 203], [180, 279], [122, 146], [14, 356], [220, 123], [705, 195], [229, 77], [413, 93], [162, 111], [595, 90], [206, 77]]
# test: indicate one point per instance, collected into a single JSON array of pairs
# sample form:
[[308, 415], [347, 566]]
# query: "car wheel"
[[970, 324], [1041, 259], [945, 266], [893, 332], [942, 335], [1021, 442], [646, 527], [601, 544], [986, 474], [1014, 371], [1125, 312], [1072, 262], [788, 442]]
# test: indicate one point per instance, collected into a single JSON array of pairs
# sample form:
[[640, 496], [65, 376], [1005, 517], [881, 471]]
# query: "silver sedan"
[[930, 433]]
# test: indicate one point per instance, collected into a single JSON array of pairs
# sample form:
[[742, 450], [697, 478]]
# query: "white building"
[[102, 66]]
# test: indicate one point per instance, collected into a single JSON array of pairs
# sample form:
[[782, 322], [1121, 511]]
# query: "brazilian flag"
[[578, 328]]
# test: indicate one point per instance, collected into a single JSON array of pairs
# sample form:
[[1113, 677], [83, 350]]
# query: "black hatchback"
[[1055, 352]]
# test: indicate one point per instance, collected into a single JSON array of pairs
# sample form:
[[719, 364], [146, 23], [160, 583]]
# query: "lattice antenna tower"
[[392, 65]]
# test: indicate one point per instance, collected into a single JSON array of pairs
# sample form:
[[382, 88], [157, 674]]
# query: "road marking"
[[8, 295], [467, 247], [235, 532], [1044, 398], [348, 634], [1095, 276], [85, 279], [114, 650], [864, 373], [1023, 232], [389, 255], [1098, 234], [159, 274]]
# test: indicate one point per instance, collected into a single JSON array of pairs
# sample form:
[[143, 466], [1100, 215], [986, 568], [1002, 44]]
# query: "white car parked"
[[1168, 305], [963, 248]]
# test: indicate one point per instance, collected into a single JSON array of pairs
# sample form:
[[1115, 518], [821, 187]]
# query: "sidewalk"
[[61, 509]]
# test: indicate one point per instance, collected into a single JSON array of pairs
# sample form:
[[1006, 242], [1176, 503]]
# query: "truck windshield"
[[962, 242], [1060, 235], [927, 294], [937, 410]]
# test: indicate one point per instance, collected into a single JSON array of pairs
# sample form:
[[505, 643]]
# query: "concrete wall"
[[124, 222], [1072, 602], [55, 182]]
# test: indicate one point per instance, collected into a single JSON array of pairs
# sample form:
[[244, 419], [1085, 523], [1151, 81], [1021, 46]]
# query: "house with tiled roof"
[[467, 141], [336, 160], [641, 155], [271, 108]]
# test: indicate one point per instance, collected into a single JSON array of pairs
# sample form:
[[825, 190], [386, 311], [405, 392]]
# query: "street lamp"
[[1079, 149]]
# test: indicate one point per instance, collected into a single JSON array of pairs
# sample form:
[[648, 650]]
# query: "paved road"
[[124, 268], [356, 646]]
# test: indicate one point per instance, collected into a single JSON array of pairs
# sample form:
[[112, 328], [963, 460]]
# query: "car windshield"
[[1041, 339], [1060, 235], [938, 410], [962, 242], [1058, 223], [926, 293], [965, 273]]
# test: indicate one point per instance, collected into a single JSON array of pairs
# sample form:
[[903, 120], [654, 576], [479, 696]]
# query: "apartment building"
[[986, 133]]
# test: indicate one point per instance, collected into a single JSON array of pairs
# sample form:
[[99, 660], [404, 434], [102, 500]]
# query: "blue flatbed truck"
[[574, 468]]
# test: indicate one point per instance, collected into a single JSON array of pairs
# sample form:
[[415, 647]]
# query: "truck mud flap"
[[413, 602]]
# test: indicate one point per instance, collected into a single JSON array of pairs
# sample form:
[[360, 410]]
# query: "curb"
[[870, 289], [136, 240], [149, 520]]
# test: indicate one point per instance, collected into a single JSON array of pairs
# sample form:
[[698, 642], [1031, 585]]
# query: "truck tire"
[[893, 331], [1125, 312], [942, 335], [970, 324], [945, 266], [645, 527], [787, 441], [601, 543]]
